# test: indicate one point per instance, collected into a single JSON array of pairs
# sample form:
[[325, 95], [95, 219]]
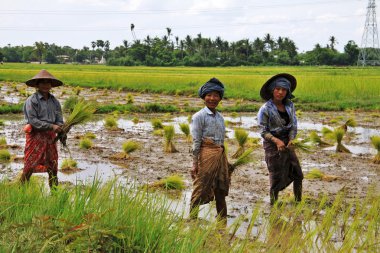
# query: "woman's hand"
[[194, 171], [279, 143], [56, 128]]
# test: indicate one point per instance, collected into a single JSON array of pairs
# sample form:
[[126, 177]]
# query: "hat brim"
[[33, 82], [266, 94]]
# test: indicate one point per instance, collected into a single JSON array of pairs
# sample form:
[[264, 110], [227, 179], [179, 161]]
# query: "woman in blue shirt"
[[278, 124], [210, 165]]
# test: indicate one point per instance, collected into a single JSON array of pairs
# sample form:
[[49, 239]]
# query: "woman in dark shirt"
[[278, 123]]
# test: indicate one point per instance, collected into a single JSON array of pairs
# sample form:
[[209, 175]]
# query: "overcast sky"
[[76, 23]]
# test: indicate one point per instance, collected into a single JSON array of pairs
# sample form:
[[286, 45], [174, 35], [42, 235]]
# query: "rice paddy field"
[[123, 189]]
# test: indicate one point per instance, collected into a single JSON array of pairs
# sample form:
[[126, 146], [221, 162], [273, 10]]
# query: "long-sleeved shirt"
[[42, 113], [271, 124], [206, 124]]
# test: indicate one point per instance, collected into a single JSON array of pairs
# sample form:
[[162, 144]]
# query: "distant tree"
[[333, 42], [39, 50], [352, 50]]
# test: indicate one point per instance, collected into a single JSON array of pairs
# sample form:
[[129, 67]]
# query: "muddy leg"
[[53, 178], [26, 176], [221, 206], [297, 190]]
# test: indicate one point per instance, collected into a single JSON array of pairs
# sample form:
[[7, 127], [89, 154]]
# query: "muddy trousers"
[[297, 191], [53, 177], [221, 206]]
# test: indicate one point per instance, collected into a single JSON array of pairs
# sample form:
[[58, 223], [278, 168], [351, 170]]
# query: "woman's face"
[[44, 85], [279, 93], [212, 99]]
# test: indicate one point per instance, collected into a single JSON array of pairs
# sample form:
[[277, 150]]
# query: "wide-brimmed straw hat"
[[43, 74], [266, 93]]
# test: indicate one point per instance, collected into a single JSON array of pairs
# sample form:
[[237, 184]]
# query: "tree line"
[[169, 50]]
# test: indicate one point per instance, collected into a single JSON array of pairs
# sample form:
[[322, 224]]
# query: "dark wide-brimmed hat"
[[43, 74], [266, 92]]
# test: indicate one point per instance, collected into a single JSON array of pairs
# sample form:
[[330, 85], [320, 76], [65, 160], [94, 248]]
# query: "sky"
[[76, 23]]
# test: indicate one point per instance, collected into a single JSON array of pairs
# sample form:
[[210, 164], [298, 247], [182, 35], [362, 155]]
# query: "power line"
[[73, 29], [162, 11]]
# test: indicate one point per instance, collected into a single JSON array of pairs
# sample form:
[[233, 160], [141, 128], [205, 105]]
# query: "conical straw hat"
[[43, 74]]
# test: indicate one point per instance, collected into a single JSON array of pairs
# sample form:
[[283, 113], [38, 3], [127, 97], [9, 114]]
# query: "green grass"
[[111, 218], [328, 88]]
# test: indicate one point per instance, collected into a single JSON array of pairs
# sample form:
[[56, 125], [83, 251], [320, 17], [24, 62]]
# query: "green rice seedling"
[[63, 93], [93, 89], [129, 147], [77, 90], [90, 135], [375, 140], [243, 158], [351, 122], [69, 103], [5, 156], [130, 99], [69, 165], [135, 120], [241, 136], [157, 124], [326, 131], [337, 136], [2, 122], [85, 143], [234, 115], [158, 132], [186, 130], [3, 142], [189, 118], [110, 122], [173, 182], [169, 136], [314, 174], [301, 145], [315, 138], [299, 113]]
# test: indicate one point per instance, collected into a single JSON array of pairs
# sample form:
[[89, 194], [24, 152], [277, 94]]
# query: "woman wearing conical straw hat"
[[43, 116], [278, 123], [210, 173]]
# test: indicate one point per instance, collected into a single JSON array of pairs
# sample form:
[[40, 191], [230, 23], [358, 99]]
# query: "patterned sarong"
[[40, 152], [284, 167], [212, 174]]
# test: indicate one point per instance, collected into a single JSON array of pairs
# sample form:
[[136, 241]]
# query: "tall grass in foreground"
[[111, 218]]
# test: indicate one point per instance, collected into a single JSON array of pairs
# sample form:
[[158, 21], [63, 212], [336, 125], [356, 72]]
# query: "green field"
[[319, 88]]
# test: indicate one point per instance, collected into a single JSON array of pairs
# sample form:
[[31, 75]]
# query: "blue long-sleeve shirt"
[[42, 113], [271, 124], [206, 124]]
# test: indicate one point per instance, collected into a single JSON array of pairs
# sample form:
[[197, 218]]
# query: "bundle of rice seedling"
[[135, 120], [110, 122], [2, 123], [241, 136], [351, 122], [85, 143], [130, 98], [375, 140], [301, 145], [129, 147], [326, 131], [318, 174], [81, 113], [337, 136], [314, 138], [90, 135], [169, 135], [173, 182], [186, 130], [5, 156], [157, 124], [241, 160], [3, 142], [69, 165]]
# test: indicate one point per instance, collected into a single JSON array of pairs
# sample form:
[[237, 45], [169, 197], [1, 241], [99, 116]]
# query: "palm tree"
[[169, 31], [40, 50], [333, 42]]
